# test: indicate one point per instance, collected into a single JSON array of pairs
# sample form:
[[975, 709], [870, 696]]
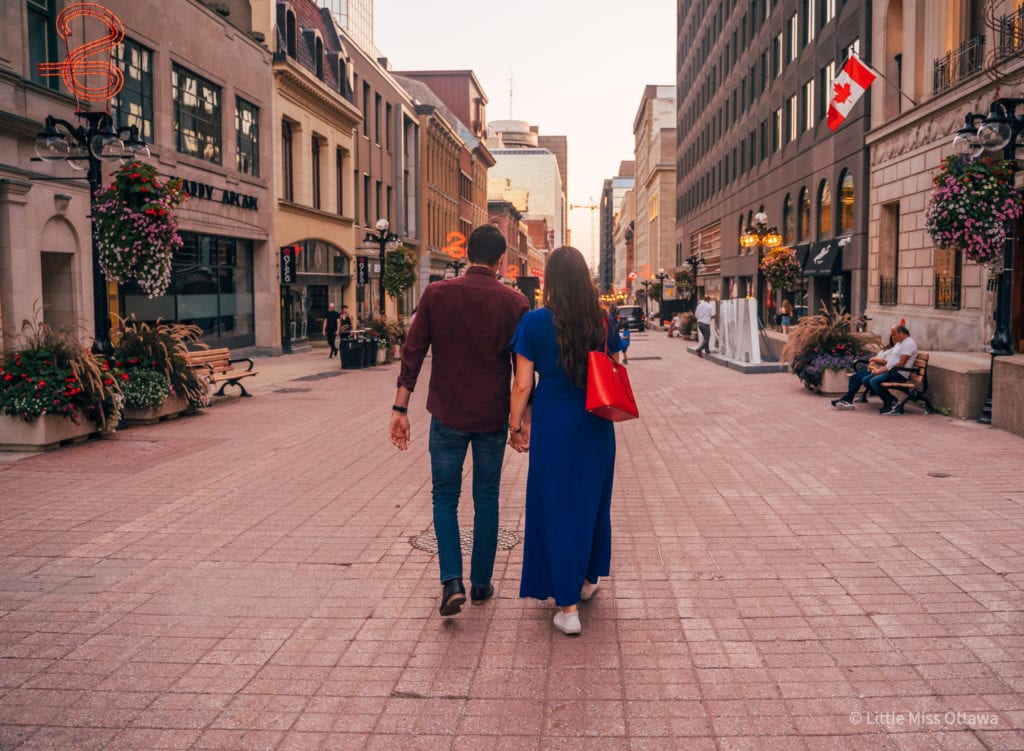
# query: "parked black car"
[[632, 316]]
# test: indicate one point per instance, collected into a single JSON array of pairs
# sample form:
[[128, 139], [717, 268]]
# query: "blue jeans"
[[889, 376], [447, 455]]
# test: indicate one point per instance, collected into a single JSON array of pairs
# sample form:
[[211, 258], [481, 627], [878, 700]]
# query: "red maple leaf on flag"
[[843, 92]]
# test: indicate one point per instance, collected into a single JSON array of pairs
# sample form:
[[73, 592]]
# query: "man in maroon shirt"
[[468, 322]]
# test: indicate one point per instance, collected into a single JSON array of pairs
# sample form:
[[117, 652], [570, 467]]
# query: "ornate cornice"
[[316, 98]]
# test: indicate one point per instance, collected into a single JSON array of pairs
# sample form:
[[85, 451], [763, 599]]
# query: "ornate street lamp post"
[[382, 237], [761, 235], [696, 264], [661, 276], [87, 147], [647, 285], [997, 131]]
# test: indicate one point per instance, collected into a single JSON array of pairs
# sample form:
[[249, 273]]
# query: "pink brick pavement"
[[785, 576]]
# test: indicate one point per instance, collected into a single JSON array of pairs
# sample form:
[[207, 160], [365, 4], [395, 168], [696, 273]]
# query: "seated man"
[[899, 366], [874, 366]]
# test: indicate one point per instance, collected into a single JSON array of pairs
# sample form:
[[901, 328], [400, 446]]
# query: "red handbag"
[[609, 394]]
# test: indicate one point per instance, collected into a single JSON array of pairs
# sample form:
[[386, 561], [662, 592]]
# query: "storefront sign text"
[[227, 197]]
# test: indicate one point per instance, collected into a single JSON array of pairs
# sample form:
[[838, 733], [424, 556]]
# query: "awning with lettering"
[[823, 258]]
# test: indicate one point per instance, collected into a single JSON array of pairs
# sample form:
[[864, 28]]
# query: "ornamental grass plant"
[[50, 372], [163, 348], [828, 341]]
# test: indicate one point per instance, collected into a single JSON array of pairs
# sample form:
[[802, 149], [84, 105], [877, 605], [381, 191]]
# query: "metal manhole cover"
[[427, 541], [319, 376], [292, 391], [649, 357]]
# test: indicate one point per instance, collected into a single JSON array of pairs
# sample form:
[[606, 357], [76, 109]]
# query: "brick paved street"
[[784, 576]]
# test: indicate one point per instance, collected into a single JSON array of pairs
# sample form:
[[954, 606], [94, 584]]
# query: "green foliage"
[[164, 348], [50, 373], [387, 333], [146, 389], [399, 271], [826, 341]]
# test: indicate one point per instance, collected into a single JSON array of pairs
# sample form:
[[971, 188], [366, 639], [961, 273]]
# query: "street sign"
[[289, 255], [362, 270]]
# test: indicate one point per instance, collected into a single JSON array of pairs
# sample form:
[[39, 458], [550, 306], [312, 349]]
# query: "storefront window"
[[824, 211], [197, 113], [211, 286], [133, 105], [845, 203]]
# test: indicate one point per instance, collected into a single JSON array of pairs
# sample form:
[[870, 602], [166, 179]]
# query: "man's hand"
[[398, 430]]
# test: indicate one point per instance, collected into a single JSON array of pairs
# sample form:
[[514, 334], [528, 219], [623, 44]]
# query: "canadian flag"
[[851, 83]]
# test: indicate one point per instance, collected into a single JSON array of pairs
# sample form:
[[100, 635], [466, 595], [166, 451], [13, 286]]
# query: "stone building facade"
[[314, 126], [654, 140], [949, 62], [198, 86], [754, 83]]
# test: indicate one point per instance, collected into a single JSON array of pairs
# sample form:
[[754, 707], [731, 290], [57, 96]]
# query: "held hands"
[[398, 430], [520, 442]]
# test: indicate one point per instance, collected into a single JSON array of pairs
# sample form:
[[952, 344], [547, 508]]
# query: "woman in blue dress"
[[568, 537]]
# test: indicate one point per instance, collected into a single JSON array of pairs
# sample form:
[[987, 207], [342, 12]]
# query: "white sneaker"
[[588, 590], [568, 623]]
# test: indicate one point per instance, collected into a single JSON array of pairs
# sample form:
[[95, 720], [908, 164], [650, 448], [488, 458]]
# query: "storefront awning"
[[823, 258], [801, 253]]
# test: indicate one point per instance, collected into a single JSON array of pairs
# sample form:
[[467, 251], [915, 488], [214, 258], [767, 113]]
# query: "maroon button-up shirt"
[[468, 323]]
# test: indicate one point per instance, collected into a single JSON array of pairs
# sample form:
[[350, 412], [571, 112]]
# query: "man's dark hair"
[[903, 330], [486, 245]]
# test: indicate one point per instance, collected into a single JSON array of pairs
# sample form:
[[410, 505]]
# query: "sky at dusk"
[[578, 69]]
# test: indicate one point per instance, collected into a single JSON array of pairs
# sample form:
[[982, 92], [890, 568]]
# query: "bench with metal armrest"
[[219, 367]]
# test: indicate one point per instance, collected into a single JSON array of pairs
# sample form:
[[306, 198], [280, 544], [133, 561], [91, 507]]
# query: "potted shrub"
[[389, 335], [161, 383], [822, 348], [52, 389]]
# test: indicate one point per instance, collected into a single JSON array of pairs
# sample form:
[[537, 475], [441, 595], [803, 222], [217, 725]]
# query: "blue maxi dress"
[[568, 535]]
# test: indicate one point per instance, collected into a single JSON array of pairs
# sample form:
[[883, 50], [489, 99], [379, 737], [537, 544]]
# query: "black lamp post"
[[382, 237], [696, 264], [647, 286], [661, 276], [997, 131], [762, 236], [87, 147]]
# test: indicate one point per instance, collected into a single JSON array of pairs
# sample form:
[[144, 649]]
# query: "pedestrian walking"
[[705, 312], [785, 316], [331, 319], [467, 322], [567, 544], [624, 336]]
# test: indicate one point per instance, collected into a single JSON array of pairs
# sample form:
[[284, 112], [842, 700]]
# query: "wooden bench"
[[915, 387], [219, 367]]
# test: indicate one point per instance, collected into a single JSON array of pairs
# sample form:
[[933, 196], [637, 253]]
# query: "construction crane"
[[595, 252]]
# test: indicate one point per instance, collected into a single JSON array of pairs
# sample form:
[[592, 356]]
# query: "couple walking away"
[[474, 325]]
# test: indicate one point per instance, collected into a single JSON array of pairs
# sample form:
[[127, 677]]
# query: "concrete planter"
[[834, 382], [44, 433], [172, 407], [382, 356]]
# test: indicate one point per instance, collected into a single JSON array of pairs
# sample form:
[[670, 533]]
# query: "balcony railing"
[[958, 64], [1011, 33], [887, 291], [947, 292]]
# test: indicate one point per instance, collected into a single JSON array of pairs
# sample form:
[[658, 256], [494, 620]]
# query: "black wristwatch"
[[396, 408]]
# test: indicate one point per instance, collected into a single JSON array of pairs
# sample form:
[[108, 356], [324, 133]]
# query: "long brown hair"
[[570, 295]]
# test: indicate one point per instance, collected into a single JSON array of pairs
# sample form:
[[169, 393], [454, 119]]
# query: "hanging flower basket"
[[136, 231], [781, 269], [972, 202]]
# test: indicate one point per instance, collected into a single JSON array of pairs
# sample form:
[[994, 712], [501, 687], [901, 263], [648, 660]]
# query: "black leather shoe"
[[453, 597], [479, 595]]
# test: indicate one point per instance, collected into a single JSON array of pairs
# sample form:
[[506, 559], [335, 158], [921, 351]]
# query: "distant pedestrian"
[[624, 336], [331, 319], [785, 316], [567, 541], [467, 322], [705, 312], [345, 326]]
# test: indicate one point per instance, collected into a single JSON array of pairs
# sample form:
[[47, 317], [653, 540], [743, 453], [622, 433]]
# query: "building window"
[[824, 210], [289, 34], [788, 221], [133, 105], [197, 127], [828, 11], [826, 77], [853, 48], [809, 105], [339, 180], [777, 47], [777, 130], [315, 171], [366, 109], [388, 113], [318, 53], [809, 24], [379, 196], [366, 200], [794, 38], [791, 115], [42, 41], [889, 254], [376, 118], [948, 267], [390, 195], [247, 128], [803, 217], [287, 162], [845, 203]]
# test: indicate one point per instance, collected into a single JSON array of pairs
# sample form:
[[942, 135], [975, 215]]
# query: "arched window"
[[788, 221], [845, 203], [824, 210], [803, 217]]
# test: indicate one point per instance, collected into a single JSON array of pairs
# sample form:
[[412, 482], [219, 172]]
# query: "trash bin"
[[351, 354], [368, 349]]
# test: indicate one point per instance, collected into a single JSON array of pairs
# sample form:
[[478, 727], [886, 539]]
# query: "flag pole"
[[883, 77]]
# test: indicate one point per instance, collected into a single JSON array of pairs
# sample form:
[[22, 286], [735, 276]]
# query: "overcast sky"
[[578, 68]]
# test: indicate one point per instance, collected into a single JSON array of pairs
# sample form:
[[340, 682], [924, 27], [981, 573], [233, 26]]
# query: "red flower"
[[124, 376], [107, 381], [42, 383]]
